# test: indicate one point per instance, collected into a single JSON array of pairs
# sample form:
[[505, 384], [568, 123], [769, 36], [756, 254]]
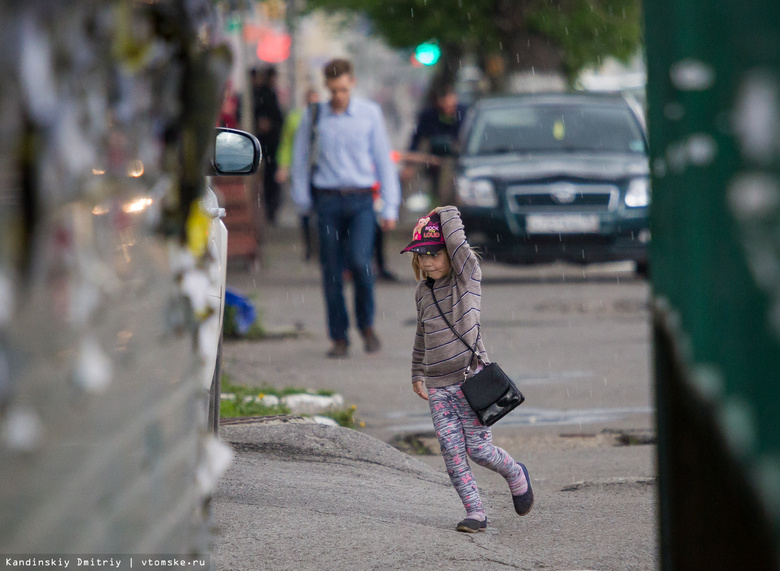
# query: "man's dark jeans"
[[347, 225]]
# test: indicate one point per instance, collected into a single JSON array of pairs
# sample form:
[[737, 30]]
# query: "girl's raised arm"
[[463, 260]]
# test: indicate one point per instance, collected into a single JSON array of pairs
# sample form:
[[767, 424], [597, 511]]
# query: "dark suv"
[[564, 176]]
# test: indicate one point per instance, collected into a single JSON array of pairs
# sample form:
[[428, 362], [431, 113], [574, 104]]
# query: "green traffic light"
[[427, 53]]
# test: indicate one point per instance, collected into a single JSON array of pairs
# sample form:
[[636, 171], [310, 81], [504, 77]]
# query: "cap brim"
[[418, 248]]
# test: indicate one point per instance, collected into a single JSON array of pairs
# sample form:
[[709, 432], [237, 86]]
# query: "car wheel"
[[214, 392]]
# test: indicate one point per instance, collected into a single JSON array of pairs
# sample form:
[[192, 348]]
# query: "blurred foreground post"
[[714, 119], [107, 316]]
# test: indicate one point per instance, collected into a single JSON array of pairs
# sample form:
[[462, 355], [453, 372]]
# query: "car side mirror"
[[236, 153]]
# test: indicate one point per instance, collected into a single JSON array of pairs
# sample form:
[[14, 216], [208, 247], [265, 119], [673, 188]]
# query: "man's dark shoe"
[[340, 349], [370, 341], [524, 502], [469, 525]]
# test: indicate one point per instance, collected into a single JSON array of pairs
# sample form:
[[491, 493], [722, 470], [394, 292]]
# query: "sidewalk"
[[312, 497], [307, 496]]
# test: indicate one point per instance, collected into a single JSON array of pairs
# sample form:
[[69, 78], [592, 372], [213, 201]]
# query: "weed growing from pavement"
[[345, 416], [230, 326], [247, 401], [414, 443]]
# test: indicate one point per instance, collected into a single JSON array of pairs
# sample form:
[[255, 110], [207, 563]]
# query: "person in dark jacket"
[[436, 135]]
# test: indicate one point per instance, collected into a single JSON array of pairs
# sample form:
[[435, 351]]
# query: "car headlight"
[[477, 192], [638, 194]]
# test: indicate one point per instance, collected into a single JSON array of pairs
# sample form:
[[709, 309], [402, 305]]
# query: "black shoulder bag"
[[490, 392]]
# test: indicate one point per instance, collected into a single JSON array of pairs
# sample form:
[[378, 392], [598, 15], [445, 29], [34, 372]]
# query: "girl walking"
[[446, 267]]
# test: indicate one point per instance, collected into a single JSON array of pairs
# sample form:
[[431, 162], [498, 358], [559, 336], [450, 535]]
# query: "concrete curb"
[[303, 440]]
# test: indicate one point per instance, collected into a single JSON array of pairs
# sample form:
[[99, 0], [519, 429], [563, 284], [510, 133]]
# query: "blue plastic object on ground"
[[245, 312]]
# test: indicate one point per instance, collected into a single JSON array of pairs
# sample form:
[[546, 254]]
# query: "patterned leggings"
[[460, 432]]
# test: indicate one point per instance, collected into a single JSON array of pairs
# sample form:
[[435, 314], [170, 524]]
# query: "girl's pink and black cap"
[[427, 237]]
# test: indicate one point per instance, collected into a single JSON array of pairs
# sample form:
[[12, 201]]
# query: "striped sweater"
[[439, 358]]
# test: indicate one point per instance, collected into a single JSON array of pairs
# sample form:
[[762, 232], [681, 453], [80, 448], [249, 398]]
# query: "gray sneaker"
[[469, 525], [524, 502]]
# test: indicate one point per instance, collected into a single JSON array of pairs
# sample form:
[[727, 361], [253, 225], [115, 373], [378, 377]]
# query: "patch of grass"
[[345, 416], [256, 331], [229, 408], [234, 408], [412, 444], [230, 328], [237, 407], [242, 391]]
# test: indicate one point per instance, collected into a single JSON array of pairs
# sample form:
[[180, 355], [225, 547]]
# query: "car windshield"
[[555, 128]]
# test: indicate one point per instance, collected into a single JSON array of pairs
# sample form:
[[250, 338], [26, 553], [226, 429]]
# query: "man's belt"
[[344, 190]]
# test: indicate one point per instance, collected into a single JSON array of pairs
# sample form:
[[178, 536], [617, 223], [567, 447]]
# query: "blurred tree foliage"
[[506, 35]]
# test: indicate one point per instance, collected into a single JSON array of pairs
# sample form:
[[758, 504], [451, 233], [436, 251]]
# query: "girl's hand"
[[419, 388]]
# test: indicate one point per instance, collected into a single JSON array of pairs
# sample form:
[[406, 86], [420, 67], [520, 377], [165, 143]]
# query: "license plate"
[[561, 224]]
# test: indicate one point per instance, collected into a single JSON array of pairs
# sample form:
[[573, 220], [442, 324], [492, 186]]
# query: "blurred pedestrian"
[[382, 273], [435, 135], [268, 128], [450, 284], [284, 161], [341, 149], [229, 110]]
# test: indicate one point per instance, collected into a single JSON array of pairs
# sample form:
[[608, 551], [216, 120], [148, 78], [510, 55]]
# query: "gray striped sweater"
[[439, 358]]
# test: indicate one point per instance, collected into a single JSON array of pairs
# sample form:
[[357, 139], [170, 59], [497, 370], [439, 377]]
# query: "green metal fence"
[[714, 120]]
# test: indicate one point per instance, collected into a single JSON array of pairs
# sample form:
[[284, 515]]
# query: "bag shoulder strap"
[[429, 282], [314, 110]]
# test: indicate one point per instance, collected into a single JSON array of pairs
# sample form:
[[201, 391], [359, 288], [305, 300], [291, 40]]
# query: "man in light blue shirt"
[[335, 168]]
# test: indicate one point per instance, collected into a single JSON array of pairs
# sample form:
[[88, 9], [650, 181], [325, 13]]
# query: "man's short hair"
[[336, 68]]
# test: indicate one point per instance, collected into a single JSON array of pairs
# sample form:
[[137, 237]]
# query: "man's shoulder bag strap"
[[314, 111]]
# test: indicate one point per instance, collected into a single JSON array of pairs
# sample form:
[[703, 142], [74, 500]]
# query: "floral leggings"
[[460, 432]]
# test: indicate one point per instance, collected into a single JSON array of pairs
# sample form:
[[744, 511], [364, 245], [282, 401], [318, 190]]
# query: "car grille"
[[562, 197]]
